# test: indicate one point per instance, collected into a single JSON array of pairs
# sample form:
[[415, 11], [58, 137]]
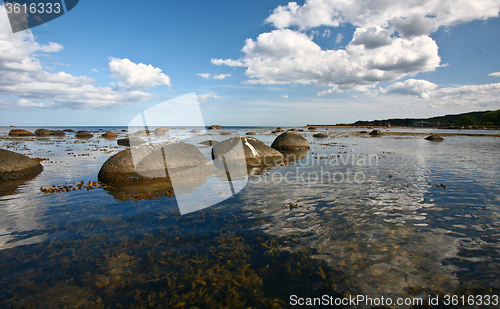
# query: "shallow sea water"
[[390, 216]]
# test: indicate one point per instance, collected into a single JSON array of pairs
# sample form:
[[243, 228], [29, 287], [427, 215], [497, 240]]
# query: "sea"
[[390, 221]]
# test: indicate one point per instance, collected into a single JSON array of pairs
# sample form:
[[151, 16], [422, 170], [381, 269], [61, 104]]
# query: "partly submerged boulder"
[[109, 135], [434, 138], [162, 129], [251, 133], [312, 128], [21, 132], [290, 140], [153, 163], [134, 141], [320, 135], [58, 133], [83, 134], [195, 131], [215, 126], [17, 166], [43, 132], [376, 133], [251, 151]]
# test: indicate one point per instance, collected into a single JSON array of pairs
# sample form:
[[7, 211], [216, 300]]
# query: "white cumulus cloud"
[[418, 87], [285, 56], [221, 76], [284, 96], [391, 41], [137, 76], [495, 74], [203, 98], [204, 75], [364, 13], [22, 76]]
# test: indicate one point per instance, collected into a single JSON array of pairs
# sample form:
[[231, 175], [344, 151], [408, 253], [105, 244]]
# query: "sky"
[[253, 63]]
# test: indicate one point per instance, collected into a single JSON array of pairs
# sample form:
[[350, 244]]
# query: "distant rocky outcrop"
[[15, 166], [215, 126], [434, 138], [290, 140], [21, 132], [255, 152]]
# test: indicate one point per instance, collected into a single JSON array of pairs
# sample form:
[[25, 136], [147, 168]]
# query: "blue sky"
[[253, 63]]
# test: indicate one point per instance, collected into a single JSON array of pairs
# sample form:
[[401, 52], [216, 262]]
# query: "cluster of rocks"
[[155, 163], [38, 132], [45, 132]]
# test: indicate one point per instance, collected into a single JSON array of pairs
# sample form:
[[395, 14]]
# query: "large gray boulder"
[[17, 166], [376, 133], [255, 152], [290, 140], [153, 163]]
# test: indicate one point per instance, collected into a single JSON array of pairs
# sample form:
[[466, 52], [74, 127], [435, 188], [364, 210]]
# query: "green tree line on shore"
[[485, 118]]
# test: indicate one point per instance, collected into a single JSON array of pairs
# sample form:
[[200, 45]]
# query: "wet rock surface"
[[434, 138], [152, 163], [15, 166], [130, 141], [255, 152], [21, 132], [290, 140]]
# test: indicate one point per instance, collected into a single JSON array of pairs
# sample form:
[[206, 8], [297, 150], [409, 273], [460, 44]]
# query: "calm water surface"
[[392, 216]]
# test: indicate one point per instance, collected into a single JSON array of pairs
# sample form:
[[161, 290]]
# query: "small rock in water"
[[376, 133], [43, 132], [83, 134], [434, 138], [110, 135], [130, 141], [321, 135]]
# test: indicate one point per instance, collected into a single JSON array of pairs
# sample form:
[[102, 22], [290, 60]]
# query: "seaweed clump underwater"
[[100, 265]]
